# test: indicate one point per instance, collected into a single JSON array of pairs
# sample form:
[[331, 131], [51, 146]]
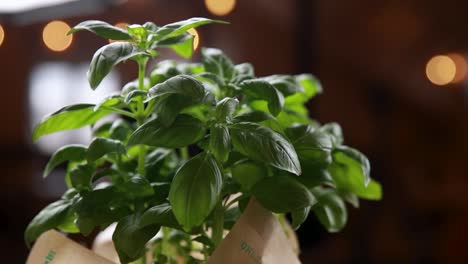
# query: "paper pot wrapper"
[[257, 237]]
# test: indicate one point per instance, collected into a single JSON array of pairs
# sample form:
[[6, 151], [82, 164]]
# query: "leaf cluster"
[[192, 143]]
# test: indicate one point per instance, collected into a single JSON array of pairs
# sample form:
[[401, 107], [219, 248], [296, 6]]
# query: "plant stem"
[[140, 116], [184, 153], [218, 224]]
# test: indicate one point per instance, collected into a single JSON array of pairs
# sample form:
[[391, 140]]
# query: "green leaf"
[[313, 146], [282, 194], [180, 27], [136, 187], [163, 71], [263, 144], [243, 71], [253, 116], [310, 84], [81, 176], [351, 172], [334, 131], [182, 45], [102, 29], [261, 90], [67, 118], [65, 153], [313, 176], [181, 84], [154, 160], [217, 63], [50, 217], [226, 108], [195, 190], [286, 84], [99, 208], [220, 142], [299, 216], [107, 57], [120, 130], [138, 31], [131, 96], [161, 215], [330, 209], [103, 146], [185, 130], [130, 239], [109, 101], [247, 173], [349, 197]]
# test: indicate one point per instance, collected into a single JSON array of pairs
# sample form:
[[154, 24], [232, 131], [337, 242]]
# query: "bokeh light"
[[55, 35], [461, 67], [2, 35], [441, 70], [196, 37], [220, 7]]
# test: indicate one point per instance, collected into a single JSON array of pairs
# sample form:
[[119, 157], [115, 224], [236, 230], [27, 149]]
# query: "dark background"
[[370, 57]]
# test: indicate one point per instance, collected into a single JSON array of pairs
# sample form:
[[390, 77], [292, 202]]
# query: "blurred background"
[[393, 73]]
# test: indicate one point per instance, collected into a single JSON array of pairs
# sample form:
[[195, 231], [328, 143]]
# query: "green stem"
[[140, 117], [118, 111], [184, 153], [218, 224]]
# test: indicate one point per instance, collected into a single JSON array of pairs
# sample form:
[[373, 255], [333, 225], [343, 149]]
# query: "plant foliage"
[[187, 138]]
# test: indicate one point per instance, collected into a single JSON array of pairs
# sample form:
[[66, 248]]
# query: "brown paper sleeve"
[[54, 248], [257, 237]]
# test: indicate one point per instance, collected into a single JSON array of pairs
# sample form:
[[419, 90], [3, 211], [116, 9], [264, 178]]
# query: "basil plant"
[[189, 145]]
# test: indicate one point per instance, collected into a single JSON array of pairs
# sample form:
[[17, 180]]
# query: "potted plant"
[[190, 145]]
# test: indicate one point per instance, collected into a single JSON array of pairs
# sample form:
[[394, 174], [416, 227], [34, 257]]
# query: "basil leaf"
[[163, 71], [130, 239], [254, 116], [310, 84], [120, 130], [65, 153], [182, 45], [180, 27], [50, 217], [111, 100], [154, 160], [136, 187], [103, 146], [131, 96], [334, 131], [102, 29], [262, 90], [282, 194], [263, 144], [181, 84], [247, 173], [195, 190], [98, 208], [225, 109], [81, 176], [350, 171], [286, 84], [217, 63], [243, 71], [299, 216], [107, 57], [330, 209], [312, 145], [159, 215], [185, 130], [67, 118], [220, 142]]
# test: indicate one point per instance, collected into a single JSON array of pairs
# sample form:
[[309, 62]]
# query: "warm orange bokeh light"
[[461, 67], [441, 70], [220, 7], [2, 35], [196, 37], [55, 36]]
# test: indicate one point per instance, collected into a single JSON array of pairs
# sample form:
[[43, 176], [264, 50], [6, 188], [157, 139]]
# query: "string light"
[[55, 36], [461, 67], [2, 35], [220, 7], [441, 70], [196, 37]]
